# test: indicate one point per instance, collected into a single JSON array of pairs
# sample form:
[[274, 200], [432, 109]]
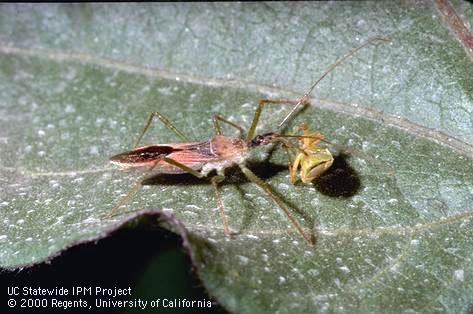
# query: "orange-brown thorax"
[[227, 147]]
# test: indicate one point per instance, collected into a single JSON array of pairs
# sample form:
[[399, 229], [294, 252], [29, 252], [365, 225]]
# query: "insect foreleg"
[[218, 130], [167, 123], [259, 109], [267, 188]]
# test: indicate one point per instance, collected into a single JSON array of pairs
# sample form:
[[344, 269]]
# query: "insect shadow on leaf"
[[341, 180], [264, 169]]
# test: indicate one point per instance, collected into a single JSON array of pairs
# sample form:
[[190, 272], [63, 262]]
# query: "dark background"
[[141, 255]]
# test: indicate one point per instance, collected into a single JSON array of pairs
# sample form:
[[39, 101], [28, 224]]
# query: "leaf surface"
[[78, 82]]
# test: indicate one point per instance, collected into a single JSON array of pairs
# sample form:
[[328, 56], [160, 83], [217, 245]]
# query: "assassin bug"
[[220, 152]]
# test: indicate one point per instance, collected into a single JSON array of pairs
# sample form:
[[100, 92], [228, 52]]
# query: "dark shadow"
[[233, 176], [341, 180], [142, 256], [264, 170]]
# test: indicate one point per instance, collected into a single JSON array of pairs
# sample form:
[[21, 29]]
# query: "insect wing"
[[193, 155]]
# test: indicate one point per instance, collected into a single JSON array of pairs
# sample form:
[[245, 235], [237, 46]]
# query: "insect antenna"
[[305, 99]]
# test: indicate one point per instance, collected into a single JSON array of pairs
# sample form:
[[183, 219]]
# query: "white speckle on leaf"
[[41, 133], [78, 180], [191, 206], [345, 269], [282, 279], [243, 259], [283, 186], [337, 282], [69, 109], [459, 275], [212, 240], [91, 220], [20, 221], [94, 150]]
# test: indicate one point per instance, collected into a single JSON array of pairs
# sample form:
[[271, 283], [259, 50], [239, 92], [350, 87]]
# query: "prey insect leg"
[[166, 123], [292, 163], [218, 130], [269, 190]]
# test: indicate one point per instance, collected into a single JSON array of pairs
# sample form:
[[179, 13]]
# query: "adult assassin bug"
[[221, 152]]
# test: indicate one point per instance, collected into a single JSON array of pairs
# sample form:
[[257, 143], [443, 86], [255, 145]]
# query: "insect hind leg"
[[138, 183], [215, 181], [132, 190], [167, 123]]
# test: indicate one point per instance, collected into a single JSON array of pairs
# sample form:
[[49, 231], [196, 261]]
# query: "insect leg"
[[215, 181], [293, 163], [166, 123], [131, 191], [136, 186], [268, 189], [218, 131], [183, 167], [259, 109]]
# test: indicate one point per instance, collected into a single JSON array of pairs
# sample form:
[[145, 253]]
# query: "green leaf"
[[392, 218]]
